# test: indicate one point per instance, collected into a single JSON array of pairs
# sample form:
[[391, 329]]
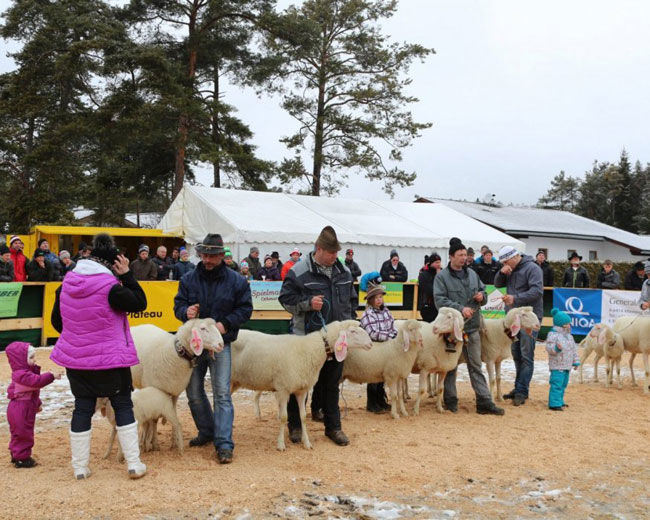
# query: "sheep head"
[[449, 321], [603, 332], [521, 318], [349, 335], [203, 335], [411, 334]]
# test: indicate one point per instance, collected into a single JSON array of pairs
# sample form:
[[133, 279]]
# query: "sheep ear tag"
[[196, 343], [602, 336], [516, 326], [341, 347]]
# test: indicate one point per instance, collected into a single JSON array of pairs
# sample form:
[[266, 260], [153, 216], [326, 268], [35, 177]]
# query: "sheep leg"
[[439, 390], [598, 356], [302, 399], [497, 370], [111, 441], [405, 388], [282, 400], [632, 356], [431, 385], [153, 426], [256, 405], [392, 390], [177, 430], [490, 370], [608, 371], [423, 380], [583, 358], [618, 373], [646, 366], [401, 401]]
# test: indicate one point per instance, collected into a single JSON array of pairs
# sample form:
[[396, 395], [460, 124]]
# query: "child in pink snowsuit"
[[24, 401]]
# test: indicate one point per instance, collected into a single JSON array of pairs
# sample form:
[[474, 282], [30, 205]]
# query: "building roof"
[[270, 217], [521, 222]]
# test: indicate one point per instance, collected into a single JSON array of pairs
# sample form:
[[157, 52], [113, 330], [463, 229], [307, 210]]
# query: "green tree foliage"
[[345, 85], [562, 195]]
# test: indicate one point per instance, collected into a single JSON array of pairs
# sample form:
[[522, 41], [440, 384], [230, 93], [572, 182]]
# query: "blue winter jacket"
[[222, 294]]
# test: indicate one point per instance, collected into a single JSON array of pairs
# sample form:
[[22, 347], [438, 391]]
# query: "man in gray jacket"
[[644, 299], [460, 288], [523, 279]]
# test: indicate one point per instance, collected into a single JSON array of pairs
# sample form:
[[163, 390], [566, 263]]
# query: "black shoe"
[[199, 441], [338, 437], [13, 461], [490, 409], [452, 407], [295, 435], [376, 409], [317, 416], [556, 408], [509, 395], [565, 405], [519, 400], [27, 463], [224, 456]]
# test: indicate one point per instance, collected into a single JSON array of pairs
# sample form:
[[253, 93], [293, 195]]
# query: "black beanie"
[[104, 249], [433, 257], [455, 245]]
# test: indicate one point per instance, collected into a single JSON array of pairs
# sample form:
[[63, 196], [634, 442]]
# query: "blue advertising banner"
[[584, 307]]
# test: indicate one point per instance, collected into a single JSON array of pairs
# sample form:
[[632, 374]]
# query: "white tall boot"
[[80, 448], [128, 437]]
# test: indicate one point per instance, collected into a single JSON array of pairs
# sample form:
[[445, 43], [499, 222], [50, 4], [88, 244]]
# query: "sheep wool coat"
[[95, 336], [562, 350]]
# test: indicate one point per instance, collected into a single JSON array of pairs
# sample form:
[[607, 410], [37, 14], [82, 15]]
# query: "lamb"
[[442, 346], [496, 340], [635, 331], [591, 344], [287, 364], [166, 359], [149, 404], [388, 361]]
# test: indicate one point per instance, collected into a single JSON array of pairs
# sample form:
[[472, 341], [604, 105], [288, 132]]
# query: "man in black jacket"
[[608, 278], [547, 271], [487, 269], [212, 290], [426, 305], [352, 265], [576, 276], [317, 291], [635, 277], [393, 270]]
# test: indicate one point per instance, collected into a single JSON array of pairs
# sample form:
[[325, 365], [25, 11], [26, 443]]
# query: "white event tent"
[[281, 221]]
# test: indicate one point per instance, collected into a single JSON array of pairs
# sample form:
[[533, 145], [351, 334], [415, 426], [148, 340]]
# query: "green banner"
[[9, 296], [494, 308]]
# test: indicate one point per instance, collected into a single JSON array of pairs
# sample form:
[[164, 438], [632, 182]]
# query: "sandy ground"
[[590, 461]]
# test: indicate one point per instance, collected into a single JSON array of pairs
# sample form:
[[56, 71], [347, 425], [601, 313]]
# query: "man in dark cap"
[[317, 291], [635, 277], [351, 264], [459, 287], [213, 290], [392, 270]]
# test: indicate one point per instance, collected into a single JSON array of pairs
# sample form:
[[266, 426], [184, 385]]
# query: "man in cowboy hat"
[[523, 279], [576, 276], [319, 290], [212, 290]]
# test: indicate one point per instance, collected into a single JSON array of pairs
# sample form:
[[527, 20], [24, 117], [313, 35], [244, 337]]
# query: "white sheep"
[[388, 362], [590, 344], [149, 405], [165, 359], [288, 364], [436, 357], [497, 336], [635, 331]]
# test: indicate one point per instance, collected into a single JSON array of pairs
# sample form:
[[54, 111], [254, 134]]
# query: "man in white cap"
[[523, 279]]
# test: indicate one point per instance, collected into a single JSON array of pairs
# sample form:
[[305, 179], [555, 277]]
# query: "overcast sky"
[[516, 92]]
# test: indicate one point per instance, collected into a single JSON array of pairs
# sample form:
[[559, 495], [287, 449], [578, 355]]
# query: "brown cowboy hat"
[[374, 290], [212, 244]]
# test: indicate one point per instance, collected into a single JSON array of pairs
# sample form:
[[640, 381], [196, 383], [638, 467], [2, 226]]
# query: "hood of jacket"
[[86, 270], [17, 355]]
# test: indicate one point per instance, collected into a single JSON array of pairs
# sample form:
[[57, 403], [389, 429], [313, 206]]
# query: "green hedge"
[[593, 268]]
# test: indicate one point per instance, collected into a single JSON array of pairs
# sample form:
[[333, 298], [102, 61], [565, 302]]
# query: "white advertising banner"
[[619, 303]]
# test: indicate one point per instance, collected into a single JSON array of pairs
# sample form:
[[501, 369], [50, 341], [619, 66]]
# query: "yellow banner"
[[394, 295], [159, 311]]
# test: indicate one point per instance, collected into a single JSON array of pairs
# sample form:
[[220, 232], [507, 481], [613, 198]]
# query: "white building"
[[558, 233], [281, 221]]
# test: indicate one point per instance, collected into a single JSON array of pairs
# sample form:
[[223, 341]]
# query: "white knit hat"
[[506, 253]]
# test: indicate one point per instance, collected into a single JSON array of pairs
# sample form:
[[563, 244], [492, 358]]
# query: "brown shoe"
[[338, 437], [224, 456]]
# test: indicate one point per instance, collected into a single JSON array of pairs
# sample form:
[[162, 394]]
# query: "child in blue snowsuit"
[[562, 356]]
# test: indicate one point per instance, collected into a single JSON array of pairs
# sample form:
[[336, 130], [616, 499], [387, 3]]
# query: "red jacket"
[[285, 268], [19, 260]]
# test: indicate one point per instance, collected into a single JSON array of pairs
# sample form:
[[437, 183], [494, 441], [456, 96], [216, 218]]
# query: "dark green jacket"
[[451, 291]]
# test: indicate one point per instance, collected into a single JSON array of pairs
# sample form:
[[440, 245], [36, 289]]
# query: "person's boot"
[[80, 450], [317, 415], [338, 437], [451, 405], [128, 438], [199, 440], [509, 395], [25, 463], [519, 399], [295, 434], [489, 408], [382, 398], [371, 398]]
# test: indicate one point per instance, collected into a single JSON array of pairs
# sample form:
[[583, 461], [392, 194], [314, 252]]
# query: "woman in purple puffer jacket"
[[96, 348]]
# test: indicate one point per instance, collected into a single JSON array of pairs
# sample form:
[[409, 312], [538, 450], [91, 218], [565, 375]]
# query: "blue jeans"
[[215, 425], [558, 381], [523, 353]]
